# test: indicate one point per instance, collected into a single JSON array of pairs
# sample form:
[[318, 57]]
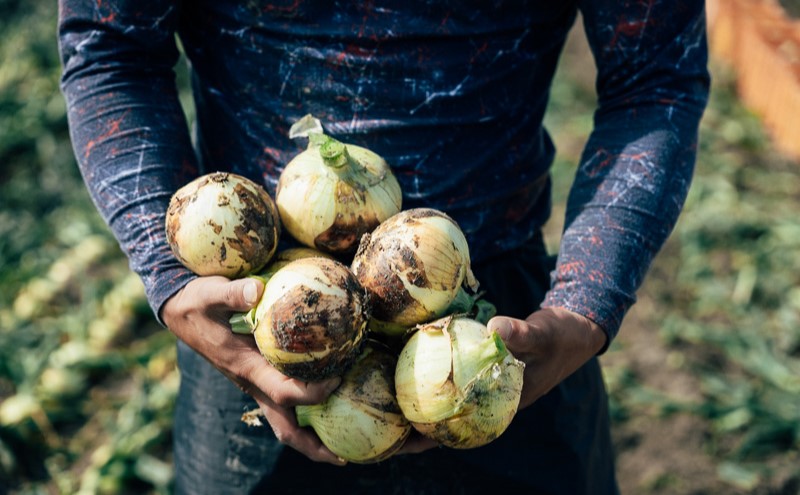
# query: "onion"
[[361, 421], [332, 193], [313, 319], [413, 266], [457, 382], [245, 323], [222, 224]]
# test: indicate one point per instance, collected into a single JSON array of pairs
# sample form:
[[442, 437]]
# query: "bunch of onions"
[[245, 323], [413, 266], [457, 382], [361, 421], [312, 319], [332, 193], [222, 224]]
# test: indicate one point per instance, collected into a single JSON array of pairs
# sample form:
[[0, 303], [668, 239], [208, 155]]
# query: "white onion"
[[332, 193], [413, 266], [222, 224], [457, 382], [312, 319], [361, 421], [244, 323]]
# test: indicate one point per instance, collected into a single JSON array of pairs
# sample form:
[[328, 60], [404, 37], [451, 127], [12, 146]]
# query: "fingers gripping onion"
[[361, 421], [332, 193], [312, 319], [457, 382], [413, 266], [222, 224]]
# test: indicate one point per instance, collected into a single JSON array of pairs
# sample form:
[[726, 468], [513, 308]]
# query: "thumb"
[[239, 295], [512, 331]]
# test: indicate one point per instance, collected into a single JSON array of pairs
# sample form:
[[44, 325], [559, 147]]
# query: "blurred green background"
[[704, 378]]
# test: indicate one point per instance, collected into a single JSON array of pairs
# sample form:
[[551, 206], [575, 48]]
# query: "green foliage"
[[727, 293], [87, 380]]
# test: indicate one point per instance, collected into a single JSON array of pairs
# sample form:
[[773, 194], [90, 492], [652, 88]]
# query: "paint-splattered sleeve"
[[636, 169], [128, 129]]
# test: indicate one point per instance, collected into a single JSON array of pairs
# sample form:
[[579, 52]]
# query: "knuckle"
[[281, 398], [244, 386], [284, 437], [232, 294], [316, 395], [242, 376]]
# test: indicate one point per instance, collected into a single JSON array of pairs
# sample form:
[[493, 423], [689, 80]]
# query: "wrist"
[[594, 337]]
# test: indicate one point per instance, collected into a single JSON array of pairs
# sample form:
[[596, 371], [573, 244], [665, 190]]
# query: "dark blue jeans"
[[559, 445]]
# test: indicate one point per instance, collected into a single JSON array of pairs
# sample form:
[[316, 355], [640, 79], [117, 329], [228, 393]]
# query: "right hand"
[[198, 315]]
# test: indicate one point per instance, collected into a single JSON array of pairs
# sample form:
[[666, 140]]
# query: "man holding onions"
[[452, 95]]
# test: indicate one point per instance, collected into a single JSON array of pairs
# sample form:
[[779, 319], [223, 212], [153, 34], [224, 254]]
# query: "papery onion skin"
[[413, 266], [457, 383], [222, 224], [314, 319], [329, 200], [361, 421]]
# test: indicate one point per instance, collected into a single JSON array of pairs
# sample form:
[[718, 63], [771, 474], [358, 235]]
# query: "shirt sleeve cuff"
[[163, 284], [604, 306]]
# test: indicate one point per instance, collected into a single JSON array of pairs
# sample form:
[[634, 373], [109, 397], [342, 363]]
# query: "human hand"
[[553, 343], [198, 314]]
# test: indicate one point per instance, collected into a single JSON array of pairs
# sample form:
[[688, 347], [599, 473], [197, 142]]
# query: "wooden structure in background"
[[762, 44]]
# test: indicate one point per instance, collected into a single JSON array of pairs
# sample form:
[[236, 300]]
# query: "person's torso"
[[451, 93]]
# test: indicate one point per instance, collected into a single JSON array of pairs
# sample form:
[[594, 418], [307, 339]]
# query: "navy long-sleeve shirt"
[[451, 93]]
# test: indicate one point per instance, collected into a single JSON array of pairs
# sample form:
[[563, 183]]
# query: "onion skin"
[[413, 266], [314, 319], [286, 256], [457, 382], [331, 194], [222, 224], [361, 421]]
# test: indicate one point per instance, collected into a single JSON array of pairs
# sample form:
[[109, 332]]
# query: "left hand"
[[553, 343]]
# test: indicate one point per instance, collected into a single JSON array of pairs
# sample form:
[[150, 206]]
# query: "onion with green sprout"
[[222, 224], [457, 383], [413, 265], [332, 193], [312, 319], [361, 421]]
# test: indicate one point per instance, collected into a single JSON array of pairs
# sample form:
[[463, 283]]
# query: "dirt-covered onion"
[[361, 421], [457, 382], [222, 224], [245, 323], [413, 266], [332, 193], [312, 319]]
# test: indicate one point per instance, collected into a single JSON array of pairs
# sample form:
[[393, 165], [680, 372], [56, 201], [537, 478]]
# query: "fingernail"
[[250, 292], [502, 327]]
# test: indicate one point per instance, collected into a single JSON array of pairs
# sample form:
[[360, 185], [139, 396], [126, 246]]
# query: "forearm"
[[637, 166], [625, 201], [127, 127]]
